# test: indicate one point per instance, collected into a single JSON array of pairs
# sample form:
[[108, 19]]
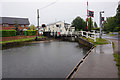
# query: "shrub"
[[118, 32], [31, 32], [7, 33]]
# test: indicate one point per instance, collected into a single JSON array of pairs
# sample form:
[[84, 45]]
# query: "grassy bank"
[[112, 34], [99, 41], [20, 40], [117, 59]]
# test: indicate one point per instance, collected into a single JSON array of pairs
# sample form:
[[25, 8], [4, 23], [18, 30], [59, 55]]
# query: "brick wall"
[[11, 27]]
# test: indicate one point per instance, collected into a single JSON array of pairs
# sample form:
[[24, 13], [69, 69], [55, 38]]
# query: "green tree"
[[79, 23], [109, 24], [95, 25], [118, 19], [32, 27], [16, 28], [112, 24]]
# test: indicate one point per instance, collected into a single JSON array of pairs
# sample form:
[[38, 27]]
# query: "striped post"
[[87, 15]]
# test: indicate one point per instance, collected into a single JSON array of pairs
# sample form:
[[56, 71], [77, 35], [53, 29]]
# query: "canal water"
[[51, 59]]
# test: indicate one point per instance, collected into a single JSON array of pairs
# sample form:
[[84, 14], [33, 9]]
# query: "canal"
[[49, 59]]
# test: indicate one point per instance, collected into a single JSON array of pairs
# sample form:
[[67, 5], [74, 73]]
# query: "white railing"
[[88, 34]]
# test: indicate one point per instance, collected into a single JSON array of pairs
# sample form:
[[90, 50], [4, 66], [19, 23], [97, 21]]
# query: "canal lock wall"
[[83, 42]]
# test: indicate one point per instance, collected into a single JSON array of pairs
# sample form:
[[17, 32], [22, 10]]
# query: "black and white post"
[[100, 36]]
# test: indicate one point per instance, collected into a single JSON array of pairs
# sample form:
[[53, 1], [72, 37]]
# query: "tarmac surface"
[[99, 64]]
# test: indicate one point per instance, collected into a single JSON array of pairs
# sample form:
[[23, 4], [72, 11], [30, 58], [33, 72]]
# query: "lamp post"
[[100, 36], [38, 16], [38, 20]]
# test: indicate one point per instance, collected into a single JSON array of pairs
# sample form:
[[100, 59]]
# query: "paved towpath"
[[99, 64]]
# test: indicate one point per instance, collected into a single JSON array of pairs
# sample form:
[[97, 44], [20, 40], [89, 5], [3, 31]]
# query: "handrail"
[[88, 34]]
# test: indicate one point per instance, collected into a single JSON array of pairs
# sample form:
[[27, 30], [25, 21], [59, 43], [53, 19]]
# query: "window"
[[60, 30], [60, 25], [5, 25], [26, 25], [22, 25], [48, 29]]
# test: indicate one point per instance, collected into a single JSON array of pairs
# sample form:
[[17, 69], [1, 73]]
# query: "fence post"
[[87, 34], [94, 37], [82, 33]]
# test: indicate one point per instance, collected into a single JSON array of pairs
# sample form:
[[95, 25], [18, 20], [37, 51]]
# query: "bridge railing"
[[87, 34]]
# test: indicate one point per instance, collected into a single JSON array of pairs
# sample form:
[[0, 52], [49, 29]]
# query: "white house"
[[59, 28]]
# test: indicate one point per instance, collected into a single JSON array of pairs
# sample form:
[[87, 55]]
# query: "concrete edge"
[[76, 68]]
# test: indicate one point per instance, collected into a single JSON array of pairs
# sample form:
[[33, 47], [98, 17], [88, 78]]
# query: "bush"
[[97, 29], [31, 32], [118, 32], [7, 33]]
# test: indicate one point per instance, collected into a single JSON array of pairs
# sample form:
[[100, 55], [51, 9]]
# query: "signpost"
[[89, 14], [101, 19]]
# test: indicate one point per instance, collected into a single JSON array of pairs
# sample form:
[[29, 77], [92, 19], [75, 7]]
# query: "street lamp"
[[100, 36]]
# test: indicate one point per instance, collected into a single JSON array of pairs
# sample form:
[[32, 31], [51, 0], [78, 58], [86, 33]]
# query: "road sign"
[[102, 18], [91, 13]]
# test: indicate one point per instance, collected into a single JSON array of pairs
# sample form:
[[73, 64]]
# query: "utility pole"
[[100, 36], [90, 24], [87, 15], [38, 20]]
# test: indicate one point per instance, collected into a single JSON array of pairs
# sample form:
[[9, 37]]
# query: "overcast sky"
[[56, 10]]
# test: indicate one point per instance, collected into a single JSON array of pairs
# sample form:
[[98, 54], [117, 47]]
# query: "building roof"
[[58, 22], [11, 20], [66, 23]]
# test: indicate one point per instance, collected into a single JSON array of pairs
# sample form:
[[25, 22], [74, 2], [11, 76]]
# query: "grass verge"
[[117, 59], [112, 34], [99, 41], [20, 40]]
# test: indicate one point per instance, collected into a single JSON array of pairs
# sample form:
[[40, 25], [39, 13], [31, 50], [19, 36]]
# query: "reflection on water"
[[42, 60]]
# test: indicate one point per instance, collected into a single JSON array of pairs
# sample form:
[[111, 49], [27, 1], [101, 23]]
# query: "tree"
[[112, 24], [32, 27], [118, 18], [109, 24], [79, 23], [16, 28], [95, 25]]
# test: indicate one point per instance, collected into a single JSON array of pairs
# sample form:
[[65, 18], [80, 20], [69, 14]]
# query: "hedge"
[[31, 32], [7, 33]]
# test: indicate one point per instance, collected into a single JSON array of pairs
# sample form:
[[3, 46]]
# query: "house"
[[8, 23], [59, 28]]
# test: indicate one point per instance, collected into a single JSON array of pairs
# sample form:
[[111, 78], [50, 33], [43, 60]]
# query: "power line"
[[49, 5]]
